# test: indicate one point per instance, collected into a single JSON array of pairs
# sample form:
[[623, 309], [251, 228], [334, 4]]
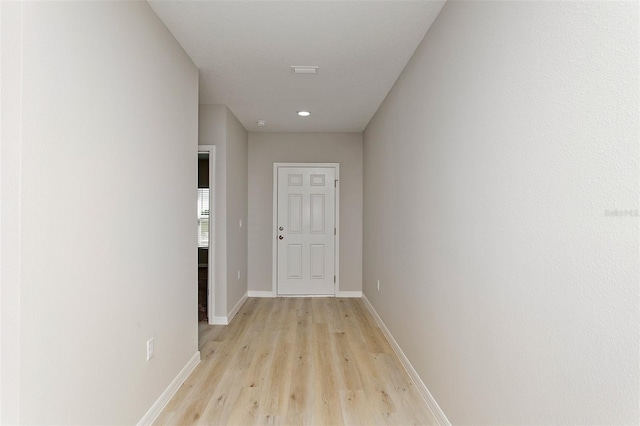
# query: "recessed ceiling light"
[[304, 113], [304, 69]]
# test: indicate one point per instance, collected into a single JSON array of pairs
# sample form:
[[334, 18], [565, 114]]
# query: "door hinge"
[[334, 279], [335, 232], [335, 183]]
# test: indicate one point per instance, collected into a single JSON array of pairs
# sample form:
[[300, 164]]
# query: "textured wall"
[[493, 171]]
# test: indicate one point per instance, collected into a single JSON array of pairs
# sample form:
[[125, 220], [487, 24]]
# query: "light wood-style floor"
[[297, 361]]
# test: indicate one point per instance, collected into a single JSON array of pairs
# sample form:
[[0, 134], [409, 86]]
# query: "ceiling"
[[244, 50]]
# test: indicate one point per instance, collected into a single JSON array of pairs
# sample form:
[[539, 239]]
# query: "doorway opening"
[[206, 241]]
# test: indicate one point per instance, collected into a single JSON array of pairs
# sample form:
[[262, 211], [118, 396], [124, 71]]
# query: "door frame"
[[336, 240], [213, 217]]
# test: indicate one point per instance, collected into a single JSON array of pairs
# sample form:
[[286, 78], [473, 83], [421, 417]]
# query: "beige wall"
[[106, 188], [212, 130], [237, 199], [10, 169], [492, 171], [268, 148], [218, 126]]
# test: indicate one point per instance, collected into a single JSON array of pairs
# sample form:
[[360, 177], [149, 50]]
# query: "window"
[[203, 217]]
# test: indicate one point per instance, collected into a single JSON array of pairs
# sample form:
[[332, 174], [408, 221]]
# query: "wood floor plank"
[[300, 385], [221, 400], [297, 361], [333, 315], [404, 394], [355, 408], [326, 408], [275, 395], [246, 408], [344, 363]]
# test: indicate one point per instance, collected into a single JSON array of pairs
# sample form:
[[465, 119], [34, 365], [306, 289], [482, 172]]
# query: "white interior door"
[[306, 230]]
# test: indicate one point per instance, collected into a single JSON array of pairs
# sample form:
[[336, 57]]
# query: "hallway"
[[293, 361], [489, 211]]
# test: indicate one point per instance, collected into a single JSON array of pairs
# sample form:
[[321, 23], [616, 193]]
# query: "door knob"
[[281, 228], [281, 237]]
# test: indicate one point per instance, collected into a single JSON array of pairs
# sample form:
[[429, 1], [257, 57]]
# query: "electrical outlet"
[[238, 274], [149, 349], [378, 285]]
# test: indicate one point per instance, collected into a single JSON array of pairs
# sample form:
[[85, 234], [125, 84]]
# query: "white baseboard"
[[171, 390], [305, 295], [253, 293], [232, 313], [218, 321], [413, 374], [236, 308], [345, 294]]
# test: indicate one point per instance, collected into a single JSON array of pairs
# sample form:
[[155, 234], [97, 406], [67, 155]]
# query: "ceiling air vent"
[[300, 69]]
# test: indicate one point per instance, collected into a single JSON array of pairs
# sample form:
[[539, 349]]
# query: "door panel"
[[306, 224], [317, 261], [317, 214], [295, 213], [294, 261]]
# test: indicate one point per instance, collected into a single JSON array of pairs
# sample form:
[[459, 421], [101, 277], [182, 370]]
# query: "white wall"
[[107, 178], [268, 148], [490, 173], [219, 127]]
